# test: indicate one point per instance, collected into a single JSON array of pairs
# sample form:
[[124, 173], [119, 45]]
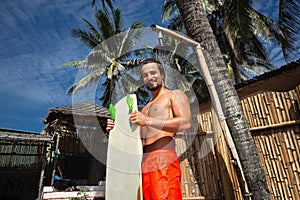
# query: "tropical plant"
[[104, 3], [110, 43], [198, 28], [240, 30]]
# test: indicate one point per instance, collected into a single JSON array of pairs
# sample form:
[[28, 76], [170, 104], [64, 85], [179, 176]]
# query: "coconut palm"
[[104, 3], [238, 27], [109, 42], [198, 28]]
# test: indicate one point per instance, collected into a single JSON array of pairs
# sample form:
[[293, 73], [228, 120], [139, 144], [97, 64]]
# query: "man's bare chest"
[[159, 109]]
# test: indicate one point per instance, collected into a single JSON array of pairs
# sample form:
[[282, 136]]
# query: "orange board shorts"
[[161, 175]]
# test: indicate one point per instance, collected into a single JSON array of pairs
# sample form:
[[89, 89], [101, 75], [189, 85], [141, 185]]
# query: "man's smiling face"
[[152, 77]]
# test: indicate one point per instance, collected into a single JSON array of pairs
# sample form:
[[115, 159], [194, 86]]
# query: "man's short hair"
[[152, 60]]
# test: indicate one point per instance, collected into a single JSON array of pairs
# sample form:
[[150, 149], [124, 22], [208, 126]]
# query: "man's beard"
[[155, 87]]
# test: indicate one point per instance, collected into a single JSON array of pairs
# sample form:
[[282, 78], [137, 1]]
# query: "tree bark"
[[198, 28]]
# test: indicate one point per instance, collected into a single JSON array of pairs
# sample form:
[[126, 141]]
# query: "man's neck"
[[156, 93]]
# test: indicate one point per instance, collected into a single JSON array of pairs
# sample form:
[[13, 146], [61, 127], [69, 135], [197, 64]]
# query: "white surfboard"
[[124, 156]]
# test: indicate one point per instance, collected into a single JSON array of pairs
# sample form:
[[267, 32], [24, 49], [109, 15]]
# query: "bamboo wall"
[[207, 170], [273, 118]]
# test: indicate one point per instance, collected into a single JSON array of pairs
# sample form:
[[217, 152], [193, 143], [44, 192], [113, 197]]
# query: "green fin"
[[129, 102], [112, 111]]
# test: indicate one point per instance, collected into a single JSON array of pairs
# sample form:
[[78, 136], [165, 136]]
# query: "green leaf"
[[129, 102], [112, 111]]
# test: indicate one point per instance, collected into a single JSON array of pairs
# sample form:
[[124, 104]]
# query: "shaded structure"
[[22, 163], [271, 106], [80, 145]]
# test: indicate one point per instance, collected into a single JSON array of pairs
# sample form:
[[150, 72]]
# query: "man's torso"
[[160, 108]]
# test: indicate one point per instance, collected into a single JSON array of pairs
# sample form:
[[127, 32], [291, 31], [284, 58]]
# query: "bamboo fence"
[[273, 119], [208, 170]]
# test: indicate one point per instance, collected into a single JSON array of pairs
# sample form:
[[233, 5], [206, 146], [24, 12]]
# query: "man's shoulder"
[[178, 92], [176, 95]]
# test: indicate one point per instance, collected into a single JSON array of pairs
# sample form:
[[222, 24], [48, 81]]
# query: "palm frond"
[[117, 20], [260, 25], [76, 64], [176, 23], [93, 30], [127, 39], [236, 15], [131, 83], [104, 3], [108, 2], [278, 34], [88, 39], [102, 57], [289, 24], [258, 51], [169, 8], [104, 24], [94, 76]]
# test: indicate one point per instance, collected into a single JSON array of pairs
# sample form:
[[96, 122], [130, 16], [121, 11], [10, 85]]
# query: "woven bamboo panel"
[[279, 151], [207, 170], [269, 108], [273, 119]]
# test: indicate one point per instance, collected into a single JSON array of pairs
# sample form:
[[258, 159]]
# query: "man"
[[167, 113]]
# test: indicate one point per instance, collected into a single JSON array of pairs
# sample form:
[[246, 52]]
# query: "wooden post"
[[42, 178], [55, 158]]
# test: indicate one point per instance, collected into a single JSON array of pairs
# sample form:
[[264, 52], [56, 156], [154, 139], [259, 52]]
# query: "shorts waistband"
[[164, 142]]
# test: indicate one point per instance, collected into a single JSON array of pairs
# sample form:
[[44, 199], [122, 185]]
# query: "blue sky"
[[35, 40]]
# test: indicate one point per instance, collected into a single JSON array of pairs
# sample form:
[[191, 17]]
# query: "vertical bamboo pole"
[[270, 107], [263, 109], [266, 107], [277, 108]]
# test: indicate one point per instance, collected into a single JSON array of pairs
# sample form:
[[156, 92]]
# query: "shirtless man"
[[167, 113]]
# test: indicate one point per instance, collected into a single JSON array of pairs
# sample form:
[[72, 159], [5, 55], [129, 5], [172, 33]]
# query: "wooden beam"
[[278, 125]]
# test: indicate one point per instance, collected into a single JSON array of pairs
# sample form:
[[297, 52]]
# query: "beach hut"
[[271, 106], [78, 153], [22, 163]]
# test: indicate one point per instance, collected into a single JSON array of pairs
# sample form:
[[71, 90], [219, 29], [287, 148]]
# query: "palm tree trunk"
[[198, 28]]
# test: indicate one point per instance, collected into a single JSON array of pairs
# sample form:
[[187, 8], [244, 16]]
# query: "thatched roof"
[[22, 149], [16, 136], [85, 109], [284, 78]]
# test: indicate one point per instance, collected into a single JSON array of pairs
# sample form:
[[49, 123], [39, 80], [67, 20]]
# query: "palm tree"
[[104, 3], [238, 27], [198, 28], [107, 52]]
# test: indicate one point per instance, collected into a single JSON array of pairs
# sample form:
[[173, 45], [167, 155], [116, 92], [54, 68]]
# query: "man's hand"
[[110, 125], [140, 119]]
